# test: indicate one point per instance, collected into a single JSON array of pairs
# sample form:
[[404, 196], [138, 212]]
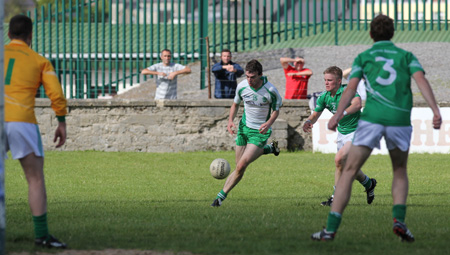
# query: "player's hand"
[[307, 126], [231, 128], [332, 124], [61, 134], [437, 121], [264, 128]]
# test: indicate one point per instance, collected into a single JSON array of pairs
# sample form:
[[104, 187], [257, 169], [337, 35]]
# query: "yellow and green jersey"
[[387, 70], [25, 70]]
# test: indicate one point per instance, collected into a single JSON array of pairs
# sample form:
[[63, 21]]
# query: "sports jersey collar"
[[383, 43], [264, 79], [15, 41]]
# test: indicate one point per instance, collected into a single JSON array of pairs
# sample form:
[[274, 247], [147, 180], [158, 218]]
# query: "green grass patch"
[[161, 201]]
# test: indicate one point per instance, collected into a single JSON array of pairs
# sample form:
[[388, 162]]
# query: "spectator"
[[226, 73], [166, 72], [296, 78]]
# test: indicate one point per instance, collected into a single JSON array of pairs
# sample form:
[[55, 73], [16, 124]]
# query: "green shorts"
[[247, 135]]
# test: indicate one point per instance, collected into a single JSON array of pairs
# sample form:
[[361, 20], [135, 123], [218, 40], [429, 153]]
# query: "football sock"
[[267, 149], [399, 212], [333, 222], [40, 226], [366, 183], [222, 195]]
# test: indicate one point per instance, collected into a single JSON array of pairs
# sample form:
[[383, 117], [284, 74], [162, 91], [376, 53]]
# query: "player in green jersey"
[[387, 71], [329, 99], [262, 104]]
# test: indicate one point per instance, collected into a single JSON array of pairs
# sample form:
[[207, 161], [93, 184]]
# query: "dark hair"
[[20, 27], [166, 50], [253, 66], [334, 70], [226, 50], [382, 28]]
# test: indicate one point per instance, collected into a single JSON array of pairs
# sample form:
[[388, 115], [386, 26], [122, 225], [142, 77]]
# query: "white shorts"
[[343, 139], [369, 134], [22, 139]]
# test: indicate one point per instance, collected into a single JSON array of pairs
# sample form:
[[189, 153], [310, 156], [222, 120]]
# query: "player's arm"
[[347, 96], [266, 126], [355, 106], [309, 122], [233, 111], [54, 92], [285, 62], [427, 92]]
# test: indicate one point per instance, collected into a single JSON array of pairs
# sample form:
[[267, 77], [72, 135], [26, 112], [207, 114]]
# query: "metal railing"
[[99, 47]]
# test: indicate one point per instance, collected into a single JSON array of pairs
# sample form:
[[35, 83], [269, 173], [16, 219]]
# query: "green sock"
[[366, 183], [267, 149], [399, 212], [333, 222], [222, 195], [40, 226]]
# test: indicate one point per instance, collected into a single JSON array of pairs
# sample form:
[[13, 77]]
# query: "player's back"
[[23, 70], [388, 70]]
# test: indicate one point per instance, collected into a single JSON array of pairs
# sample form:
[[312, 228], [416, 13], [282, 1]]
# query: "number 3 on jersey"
[[387, 67], [9, 71]]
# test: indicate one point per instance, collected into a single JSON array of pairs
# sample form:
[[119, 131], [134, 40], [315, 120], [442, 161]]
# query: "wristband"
[[308, 120], [345, 113]]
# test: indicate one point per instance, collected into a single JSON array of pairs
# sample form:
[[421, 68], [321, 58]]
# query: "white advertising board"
[[424, 138]]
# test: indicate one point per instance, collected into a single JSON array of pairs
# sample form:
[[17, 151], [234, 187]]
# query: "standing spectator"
[[166, 72], [387, 70], [296, 78], [226, 73], [25, 70], [262, 104]]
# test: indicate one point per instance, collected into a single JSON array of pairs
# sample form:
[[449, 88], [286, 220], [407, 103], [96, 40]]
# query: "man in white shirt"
[[166, 75]]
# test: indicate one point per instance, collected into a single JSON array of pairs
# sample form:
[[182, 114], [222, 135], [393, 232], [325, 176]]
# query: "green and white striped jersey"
[[258, 104]]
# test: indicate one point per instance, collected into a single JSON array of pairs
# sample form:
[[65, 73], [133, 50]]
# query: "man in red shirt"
[[296, 78]]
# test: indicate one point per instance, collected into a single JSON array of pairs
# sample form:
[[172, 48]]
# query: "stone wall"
[[162, 126]]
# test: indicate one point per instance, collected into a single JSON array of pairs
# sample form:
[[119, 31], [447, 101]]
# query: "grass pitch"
[[153, 201]]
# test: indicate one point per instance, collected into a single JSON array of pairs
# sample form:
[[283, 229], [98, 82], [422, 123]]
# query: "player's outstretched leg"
[[49, 242], [402, 231]]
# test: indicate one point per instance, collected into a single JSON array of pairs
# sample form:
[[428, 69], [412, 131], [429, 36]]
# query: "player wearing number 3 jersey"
[[387, 70]]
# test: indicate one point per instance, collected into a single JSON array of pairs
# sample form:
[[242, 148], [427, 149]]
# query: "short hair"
[[253, 66], [382, 28], [20, 27], [226, 50], [334, 70], [166, 50]]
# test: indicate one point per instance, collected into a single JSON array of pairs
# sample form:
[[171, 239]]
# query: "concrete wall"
[[162, 126]]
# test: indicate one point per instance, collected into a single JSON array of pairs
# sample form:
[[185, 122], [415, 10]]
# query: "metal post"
[[203, 32]]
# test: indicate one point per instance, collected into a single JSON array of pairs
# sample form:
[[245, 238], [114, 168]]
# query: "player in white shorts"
[[25, 71], [387, 71], [329, 99]]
